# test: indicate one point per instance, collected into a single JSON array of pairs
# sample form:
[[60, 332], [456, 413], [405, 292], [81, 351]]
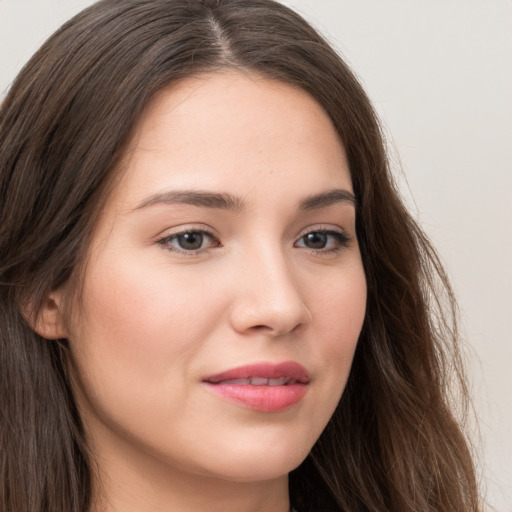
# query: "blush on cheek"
[[346, 308]]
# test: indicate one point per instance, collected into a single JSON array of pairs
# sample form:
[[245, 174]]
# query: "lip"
[[264, 387]]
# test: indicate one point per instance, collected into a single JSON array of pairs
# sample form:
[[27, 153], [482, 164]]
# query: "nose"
[[268, 298]]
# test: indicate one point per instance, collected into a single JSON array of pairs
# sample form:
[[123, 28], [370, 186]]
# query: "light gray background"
[[440, 75]]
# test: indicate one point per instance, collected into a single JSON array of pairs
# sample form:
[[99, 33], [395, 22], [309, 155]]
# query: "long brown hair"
[[393, 442]]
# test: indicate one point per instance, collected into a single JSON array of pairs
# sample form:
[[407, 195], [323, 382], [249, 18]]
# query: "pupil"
[[316, 240], [190, 241]]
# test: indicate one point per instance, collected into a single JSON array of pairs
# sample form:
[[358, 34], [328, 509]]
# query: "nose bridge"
[[269, 296], [274, 269]]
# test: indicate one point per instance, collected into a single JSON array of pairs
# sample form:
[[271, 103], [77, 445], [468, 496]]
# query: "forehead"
[[237, 131]]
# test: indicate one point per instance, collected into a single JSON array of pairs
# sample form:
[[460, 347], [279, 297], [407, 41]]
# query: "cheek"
[[340, 306], [339, 313], [138, 331], [146, 309]]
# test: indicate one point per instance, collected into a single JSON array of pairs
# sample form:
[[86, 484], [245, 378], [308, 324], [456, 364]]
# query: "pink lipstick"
[[265, 387]]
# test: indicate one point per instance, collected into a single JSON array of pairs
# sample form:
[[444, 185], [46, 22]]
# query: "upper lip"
[[287, 372]]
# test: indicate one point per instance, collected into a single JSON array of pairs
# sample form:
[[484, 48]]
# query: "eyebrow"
[[324, 199], [226, 201], [195, 198]]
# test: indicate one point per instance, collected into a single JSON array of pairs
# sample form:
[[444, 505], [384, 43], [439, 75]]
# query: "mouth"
[[258, 381], [263, 387]]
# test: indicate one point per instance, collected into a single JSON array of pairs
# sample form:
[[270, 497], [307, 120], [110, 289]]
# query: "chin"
[[258, 461]]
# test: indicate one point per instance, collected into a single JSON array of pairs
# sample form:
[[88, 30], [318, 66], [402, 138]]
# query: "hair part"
[[393, 442]]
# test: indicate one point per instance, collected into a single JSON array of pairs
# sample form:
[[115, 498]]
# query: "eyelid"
[[329, 229], [187, 228], [183, 229], [323, 228], [343, 241]]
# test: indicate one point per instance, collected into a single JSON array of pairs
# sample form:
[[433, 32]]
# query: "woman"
[[212, 297]]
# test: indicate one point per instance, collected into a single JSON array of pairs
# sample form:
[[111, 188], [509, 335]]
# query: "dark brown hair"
[[393, 442]]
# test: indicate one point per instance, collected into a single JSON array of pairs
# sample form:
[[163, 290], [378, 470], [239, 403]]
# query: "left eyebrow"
[[324, 199]]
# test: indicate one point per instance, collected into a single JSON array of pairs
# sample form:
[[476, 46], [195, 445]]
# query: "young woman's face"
[[224, 291]]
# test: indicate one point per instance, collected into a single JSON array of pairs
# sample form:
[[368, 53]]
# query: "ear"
[[49, 320]]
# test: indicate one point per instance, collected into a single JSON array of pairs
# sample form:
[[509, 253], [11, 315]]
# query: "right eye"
[[193, 241]]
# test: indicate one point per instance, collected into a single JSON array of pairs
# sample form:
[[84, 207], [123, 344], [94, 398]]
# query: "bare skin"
[[179, 287]]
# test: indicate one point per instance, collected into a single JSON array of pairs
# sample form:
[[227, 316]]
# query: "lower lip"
[[261, 398]]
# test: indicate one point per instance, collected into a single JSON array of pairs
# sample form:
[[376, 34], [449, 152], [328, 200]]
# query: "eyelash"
[[341, 241], [166, 242]]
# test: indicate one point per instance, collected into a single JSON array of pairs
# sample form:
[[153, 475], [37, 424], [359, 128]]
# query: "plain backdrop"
[[440, 75]]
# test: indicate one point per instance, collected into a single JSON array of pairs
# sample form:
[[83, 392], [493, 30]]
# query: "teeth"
[[259, 381], [281, 381]]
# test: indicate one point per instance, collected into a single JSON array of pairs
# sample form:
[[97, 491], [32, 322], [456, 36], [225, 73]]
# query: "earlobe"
[[48, 321]]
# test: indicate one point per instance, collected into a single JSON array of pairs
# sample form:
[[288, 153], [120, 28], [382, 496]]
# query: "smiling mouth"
[[263, 374], [263, 387], [259, 381]]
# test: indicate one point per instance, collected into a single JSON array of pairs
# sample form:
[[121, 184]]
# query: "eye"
[[323, 240], [192, 241]]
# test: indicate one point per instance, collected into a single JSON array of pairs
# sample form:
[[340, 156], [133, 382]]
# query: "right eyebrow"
[[195, 198]]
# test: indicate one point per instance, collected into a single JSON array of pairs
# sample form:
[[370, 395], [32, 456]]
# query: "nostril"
[[261, 329], [274, 331]]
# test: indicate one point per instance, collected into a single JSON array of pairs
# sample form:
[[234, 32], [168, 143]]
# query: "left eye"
[[189, 241], [323, 240]]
